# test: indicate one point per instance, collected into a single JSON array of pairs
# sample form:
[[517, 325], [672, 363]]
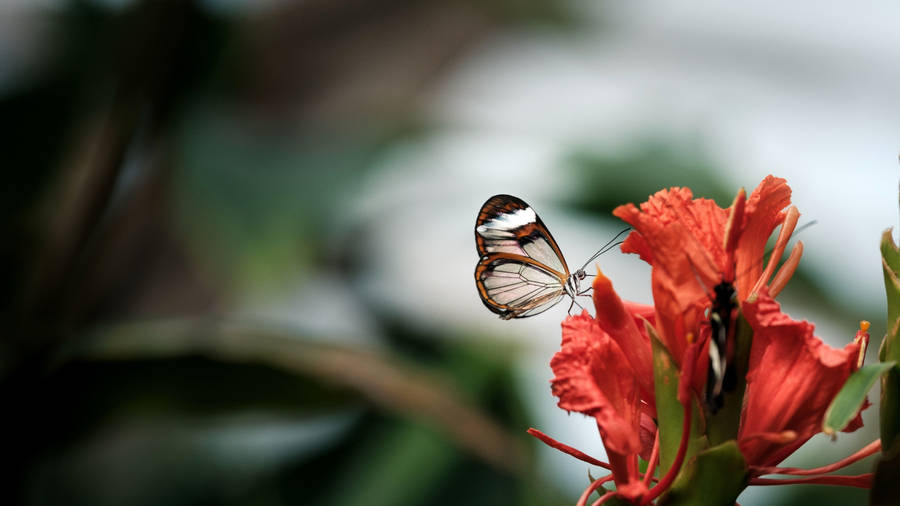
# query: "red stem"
[[582, 501], [679, 458], [866, 451], [621, 467], [605, 497], [859, 481], [578, 454], [654, 459]]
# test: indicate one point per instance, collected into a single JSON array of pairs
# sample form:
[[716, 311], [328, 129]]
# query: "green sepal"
[[889, 351], [849, 399], [723, 426], [670, 412], [716, 476], [890, 263]]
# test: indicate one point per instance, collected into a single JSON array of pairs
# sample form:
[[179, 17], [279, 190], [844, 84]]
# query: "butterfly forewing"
[[506, 224], [521, 271]]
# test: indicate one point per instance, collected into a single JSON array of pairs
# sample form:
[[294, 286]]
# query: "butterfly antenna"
[[698, 278], [803, 227], [606, 247], [602, 251]]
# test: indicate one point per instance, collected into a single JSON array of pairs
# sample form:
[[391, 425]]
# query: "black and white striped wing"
[[506, 224]]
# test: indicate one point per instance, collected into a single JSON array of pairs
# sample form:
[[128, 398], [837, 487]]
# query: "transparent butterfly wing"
[[507, 224], [515, 287], [521, 271]]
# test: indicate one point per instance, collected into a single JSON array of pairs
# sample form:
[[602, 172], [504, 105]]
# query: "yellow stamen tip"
[[689, 338], [864, 325]]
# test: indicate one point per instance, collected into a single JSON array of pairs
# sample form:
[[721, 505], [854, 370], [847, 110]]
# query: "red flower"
[[595, 376], [604, 368], [693, 244]]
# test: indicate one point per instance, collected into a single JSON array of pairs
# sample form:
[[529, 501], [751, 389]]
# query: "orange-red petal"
[[593, 376], [683, 238], [792, 379], [614, 318], [764, 211]]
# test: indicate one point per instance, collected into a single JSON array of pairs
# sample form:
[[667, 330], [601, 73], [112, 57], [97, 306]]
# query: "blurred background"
[[238, 235]]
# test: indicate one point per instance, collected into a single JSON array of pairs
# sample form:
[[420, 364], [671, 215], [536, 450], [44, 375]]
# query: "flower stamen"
[[787, 228], [862, 337], [654, 460], [858, 481], [578, 454], [869, 449], [780, 438], [733, 228], [786, 272]]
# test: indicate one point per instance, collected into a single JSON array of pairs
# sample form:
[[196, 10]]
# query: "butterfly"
[[521, 271], [721, 376]]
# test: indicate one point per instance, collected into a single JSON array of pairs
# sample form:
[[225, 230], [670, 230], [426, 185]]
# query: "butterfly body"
[[521, 271], [721, 375]]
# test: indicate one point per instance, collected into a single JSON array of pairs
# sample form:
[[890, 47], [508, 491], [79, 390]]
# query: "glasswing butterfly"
[[521, 271]]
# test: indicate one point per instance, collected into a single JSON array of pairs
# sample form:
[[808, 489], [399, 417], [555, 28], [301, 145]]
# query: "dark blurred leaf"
[[173, 372], [822, 495], [91, 391], [607, 181], [174, 460], [383, 381], [261, 208]]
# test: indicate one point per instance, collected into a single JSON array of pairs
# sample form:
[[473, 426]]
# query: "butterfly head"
[[573, 284]]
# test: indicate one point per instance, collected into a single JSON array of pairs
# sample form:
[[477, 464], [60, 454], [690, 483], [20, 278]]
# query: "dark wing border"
[[507, 311], [505, 204]]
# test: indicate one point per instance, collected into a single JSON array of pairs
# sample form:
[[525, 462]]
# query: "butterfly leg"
[[574, 303]]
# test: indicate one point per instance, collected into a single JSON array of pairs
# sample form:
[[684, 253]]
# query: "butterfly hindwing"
[[515, 287]]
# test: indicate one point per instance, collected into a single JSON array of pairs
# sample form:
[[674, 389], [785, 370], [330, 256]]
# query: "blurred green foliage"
[[610, 179], [167, 159], [170, 159]]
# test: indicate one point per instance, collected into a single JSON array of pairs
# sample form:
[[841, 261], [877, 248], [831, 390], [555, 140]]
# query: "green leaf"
[[851, 396], [670, 412], [890, 382], [714, 477], [890, 263], [723, 426]]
